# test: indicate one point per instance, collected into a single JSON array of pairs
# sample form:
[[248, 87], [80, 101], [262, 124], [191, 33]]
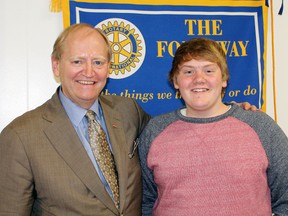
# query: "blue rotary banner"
[[144, 37]]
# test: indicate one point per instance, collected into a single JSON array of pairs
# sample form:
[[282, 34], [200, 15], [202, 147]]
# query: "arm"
[[278, 169], [246, 106], [144, 117], [16, 184], [149, 187]]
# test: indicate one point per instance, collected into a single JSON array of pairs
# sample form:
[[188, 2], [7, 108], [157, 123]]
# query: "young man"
[[211, 158]]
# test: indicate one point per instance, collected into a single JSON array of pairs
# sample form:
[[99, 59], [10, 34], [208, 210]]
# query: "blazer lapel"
[[117, 138], [66, 142]]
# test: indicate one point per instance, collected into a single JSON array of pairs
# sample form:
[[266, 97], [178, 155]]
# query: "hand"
[[247, 106]]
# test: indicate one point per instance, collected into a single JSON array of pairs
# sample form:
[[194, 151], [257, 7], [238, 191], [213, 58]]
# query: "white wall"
[[280, 65], [28, 31]]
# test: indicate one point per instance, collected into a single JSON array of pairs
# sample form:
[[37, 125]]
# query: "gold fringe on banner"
[[273, 62], [56, 5]]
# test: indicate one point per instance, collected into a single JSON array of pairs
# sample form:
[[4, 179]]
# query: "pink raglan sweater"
[[214, 167]]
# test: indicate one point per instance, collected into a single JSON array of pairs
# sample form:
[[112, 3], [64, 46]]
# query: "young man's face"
[[200, 84]]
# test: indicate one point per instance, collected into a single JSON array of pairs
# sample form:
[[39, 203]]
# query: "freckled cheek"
[[186, 83], [102, 75], [70, 73], [217, 82]]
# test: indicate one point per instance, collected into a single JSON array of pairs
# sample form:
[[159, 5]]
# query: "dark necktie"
[[103, 155]]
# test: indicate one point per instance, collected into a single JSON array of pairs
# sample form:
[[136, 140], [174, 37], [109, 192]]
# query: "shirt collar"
[[75, 112]]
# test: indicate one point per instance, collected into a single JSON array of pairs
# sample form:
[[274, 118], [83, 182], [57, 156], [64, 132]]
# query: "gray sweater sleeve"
[[149, 193], [151, 131], [275, 144]]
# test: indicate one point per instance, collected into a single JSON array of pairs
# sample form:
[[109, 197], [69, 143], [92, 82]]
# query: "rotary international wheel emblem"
[[128, 47]]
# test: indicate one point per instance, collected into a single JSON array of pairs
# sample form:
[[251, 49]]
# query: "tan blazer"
[[45, 169]]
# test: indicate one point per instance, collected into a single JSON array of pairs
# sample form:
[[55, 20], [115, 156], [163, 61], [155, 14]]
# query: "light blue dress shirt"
[[76, 115]]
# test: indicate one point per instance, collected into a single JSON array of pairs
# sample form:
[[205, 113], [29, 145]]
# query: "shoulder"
[[121, 104], [127, 108], [252, 117], [154, 128], [114, 100], [260, 122], [165, 118], [26, 119], [158, 123], [33, 119]]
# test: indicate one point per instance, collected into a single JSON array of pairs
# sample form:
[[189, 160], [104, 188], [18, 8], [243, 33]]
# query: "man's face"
[[83, 68]]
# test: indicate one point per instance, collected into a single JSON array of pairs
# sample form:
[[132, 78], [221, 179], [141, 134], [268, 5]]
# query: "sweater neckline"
[[181, 112]]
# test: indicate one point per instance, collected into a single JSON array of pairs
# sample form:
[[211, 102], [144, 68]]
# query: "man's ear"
[[55, 66], [109, 67], [224, 83], [175, 83]]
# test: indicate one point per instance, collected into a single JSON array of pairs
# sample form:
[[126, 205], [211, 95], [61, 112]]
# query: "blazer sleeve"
[[16, 184]]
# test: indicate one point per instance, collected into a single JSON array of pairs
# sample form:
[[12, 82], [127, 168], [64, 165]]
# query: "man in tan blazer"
[[46, 166]]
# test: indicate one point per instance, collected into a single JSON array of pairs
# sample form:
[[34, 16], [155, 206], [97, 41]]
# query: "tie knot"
[[90, 115]]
